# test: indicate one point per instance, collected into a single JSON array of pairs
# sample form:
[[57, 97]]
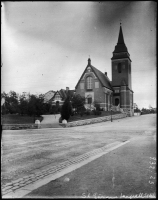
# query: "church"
[[96, 87]]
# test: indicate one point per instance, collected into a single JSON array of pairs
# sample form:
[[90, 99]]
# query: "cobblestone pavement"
[[26, 180], [30, 155]]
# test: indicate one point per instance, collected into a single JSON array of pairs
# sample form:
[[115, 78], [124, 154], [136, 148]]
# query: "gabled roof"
[[50, 91], [54, 95], [104, 80], [63, 94]]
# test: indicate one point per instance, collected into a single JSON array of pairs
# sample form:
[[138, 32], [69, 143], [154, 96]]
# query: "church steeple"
[[120, 38], [121, 50]]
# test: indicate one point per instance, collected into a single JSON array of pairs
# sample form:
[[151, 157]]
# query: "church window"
[[81, 86], [119, 68], [96, 84], [116, 91], [89, 82], [129, 68]]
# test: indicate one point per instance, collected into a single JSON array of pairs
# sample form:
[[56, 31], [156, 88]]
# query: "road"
[[26, 152]]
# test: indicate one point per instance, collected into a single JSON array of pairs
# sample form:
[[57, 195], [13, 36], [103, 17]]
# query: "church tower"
[[121, 76]]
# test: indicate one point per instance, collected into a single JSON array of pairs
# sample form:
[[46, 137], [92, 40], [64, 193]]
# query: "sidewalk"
[[128, 170]]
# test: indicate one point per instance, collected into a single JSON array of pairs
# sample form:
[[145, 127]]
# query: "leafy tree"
[[23, 104], [78, 102], [32, 105], [11, 102]]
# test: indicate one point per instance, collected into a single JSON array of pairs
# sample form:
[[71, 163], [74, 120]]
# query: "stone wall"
[[94, 120], [19, 126]]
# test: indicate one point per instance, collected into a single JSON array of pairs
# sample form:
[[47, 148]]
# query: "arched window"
[[119, 68], [89, 82]]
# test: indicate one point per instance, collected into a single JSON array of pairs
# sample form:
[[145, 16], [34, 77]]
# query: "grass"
[[18, 119], [103, 113]]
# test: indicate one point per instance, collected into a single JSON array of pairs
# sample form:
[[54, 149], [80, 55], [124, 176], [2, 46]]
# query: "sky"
[[45, 45]]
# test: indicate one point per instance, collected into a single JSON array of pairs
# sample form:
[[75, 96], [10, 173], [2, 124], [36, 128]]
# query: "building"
[[135, 106], [48, 95], [58, 97], [96, 87]]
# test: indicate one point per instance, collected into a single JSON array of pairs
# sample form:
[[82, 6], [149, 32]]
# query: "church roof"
[[102, 77], [104, 80]]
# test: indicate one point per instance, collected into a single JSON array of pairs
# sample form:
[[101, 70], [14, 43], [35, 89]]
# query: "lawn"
[[85, 116], [18, 119]]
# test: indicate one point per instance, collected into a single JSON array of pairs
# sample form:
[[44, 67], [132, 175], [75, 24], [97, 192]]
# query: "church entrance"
[[116, 102], [89, 100]]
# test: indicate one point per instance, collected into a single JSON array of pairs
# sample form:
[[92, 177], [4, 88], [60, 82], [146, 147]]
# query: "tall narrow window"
[[119, 68], [129, 68], [89, 82]]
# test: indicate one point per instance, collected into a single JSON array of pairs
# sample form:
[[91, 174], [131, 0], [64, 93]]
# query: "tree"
[[11, 102], [66, 109], [78, 102], [32, 105], [23, 104]]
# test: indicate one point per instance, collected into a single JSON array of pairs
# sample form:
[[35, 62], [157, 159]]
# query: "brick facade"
[[106, 92]]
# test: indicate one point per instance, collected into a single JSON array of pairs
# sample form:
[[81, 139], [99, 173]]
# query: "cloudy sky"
[[46, 45]]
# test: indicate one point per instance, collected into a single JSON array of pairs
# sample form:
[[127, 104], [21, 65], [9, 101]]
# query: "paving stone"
[[22, 181], [7, 184], [22, 185], [6, 192], [16, 187], [7, 188], [16, 181], [33, 175], [15, 184], [28, 182], [25, 177]]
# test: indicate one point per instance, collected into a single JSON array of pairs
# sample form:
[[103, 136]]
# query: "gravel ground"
[[122, 172], [27, 151]]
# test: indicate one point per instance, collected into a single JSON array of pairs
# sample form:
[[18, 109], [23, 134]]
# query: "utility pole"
[[111, 113]]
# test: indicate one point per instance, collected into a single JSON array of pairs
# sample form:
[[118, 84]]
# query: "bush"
[[81, 113], [96, 112], [66, 109], [87, 112]]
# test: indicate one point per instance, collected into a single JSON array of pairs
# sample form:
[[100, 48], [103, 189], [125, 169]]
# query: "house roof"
[[104, 80], [50, 91], [63, 93]]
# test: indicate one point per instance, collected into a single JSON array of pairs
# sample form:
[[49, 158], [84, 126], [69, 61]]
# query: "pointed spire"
[[120, 38], [120, 47]]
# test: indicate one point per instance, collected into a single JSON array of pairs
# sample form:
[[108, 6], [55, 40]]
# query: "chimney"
[[67, 88], [106, 74]]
